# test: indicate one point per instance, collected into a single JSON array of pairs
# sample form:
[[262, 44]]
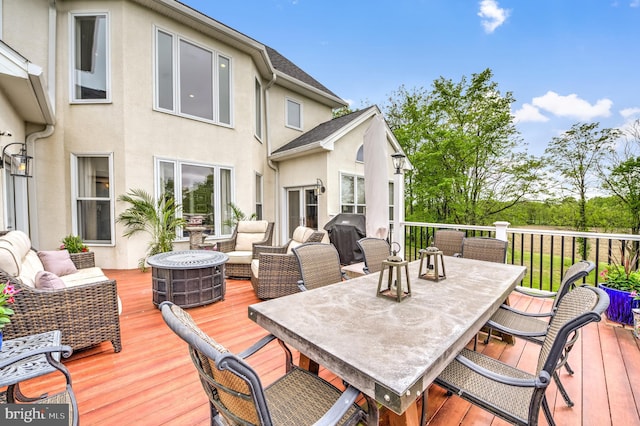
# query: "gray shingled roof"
[[285, 66], [322, 131]]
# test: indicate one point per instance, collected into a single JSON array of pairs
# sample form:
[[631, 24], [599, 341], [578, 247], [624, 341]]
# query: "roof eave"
[[323, 97], [307, 149]]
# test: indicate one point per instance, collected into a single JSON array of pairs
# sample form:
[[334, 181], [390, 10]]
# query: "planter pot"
[[620, 305], [636, 322]]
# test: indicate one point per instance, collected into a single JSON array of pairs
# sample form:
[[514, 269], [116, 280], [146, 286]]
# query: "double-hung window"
[[352, 194], [293, 114], [192, 80], [204, 192], [93, 206], [258, 196], [89, 56]]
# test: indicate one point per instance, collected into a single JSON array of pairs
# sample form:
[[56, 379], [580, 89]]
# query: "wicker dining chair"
[[236, 394], [319, 265], [375, 250], [513, 394], [66, 397], [484, 248], [449, 241], [533, 326]]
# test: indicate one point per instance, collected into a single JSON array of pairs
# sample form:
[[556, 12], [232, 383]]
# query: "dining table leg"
[[411, 416], [308, 364]]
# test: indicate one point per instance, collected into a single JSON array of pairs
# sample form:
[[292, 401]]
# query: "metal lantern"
[[431, 264], [394, 289]]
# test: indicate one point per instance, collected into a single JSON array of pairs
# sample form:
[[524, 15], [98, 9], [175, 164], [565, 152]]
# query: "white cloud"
[[493, 15], [529, 113], [634, 3], [572, 106], [630, 112]]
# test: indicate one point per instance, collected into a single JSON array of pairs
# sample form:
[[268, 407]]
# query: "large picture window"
[[93, 207], [203, 191], [352, 194], [90, 58], [192, 80]]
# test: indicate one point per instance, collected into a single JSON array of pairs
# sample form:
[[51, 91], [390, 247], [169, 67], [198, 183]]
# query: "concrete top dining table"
[[391, 351]]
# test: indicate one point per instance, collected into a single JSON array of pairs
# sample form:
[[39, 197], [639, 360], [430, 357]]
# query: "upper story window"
[[360, 154], [90, 67], [192, 80], [293, 114], [93, 204]]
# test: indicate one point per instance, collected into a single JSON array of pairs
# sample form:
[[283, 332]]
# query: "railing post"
[[501, 230]]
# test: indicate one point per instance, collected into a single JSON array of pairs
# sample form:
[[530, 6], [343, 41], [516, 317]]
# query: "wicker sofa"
[[274, 269], [241, 246], [85, 310]]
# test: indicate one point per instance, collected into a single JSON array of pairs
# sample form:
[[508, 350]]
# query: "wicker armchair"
[[319, 265], [375, 250], [449, 241], [533, 326], [241, 246], [513, 394], [236, 394], [274, 270], [85, 314]]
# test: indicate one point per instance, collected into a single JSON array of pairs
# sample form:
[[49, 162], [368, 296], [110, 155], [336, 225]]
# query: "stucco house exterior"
[[115, 95]]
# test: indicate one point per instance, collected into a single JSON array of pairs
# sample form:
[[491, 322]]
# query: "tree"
[[158, 219], [577, 156], [622, 176], [461, 140]]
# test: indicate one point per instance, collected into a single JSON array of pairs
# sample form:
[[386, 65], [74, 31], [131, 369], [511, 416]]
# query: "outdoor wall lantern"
[[431, 262], [20, 162], [394, 289], [319, 187], [398, 161]]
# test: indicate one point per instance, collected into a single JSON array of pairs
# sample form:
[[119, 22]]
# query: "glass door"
[[302, 208]]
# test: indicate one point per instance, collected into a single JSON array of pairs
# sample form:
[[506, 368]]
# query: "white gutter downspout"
[[33, 200], [271, 164]]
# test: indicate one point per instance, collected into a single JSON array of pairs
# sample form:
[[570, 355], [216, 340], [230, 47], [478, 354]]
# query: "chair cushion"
[[255, 267], [48, 281], [20, 240], [31, 265], [84, 276], [240, 256], [9, 262], [300, 235], [252, 226], [57, 261]]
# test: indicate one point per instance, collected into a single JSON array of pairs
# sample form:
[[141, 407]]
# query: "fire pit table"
[[188, 278]]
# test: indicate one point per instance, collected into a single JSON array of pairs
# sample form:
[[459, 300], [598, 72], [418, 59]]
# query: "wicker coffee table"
[[188, 278]]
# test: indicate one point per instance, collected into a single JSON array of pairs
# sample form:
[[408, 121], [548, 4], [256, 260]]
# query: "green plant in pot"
[[74, 244], [158, 218], [621, 281]]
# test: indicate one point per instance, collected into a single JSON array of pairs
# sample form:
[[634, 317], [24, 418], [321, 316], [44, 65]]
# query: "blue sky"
[[565, 61]]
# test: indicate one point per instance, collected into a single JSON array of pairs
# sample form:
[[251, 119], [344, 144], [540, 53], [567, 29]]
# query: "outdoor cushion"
[[249, 232], [255, 267], [8, 262], [20, 241], [48, 281], [252, 226], [300, 235], [57, 261], [240, 256], [84, 276], [31, 265]]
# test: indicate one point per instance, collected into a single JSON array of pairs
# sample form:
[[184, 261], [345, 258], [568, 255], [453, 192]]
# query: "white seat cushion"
[[255, 267], [240, 256], [84, 276]]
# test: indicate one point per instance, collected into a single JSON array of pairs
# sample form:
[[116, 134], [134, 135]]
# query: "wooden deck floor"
[[152, 381]]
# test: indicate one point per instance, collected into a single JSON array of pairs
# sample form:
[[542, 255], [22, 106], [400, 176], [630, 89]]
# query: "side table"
[[188, 278]]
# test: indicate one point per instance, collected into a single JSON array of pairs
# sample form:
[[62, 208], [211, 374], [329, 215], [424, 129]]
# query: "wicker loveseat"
[[241, 246], [85, 310], [274, 269]]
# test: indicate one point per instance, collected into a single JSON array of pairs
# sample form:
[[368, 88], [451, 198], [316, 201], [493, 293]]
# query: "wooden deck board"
[[152, 381]]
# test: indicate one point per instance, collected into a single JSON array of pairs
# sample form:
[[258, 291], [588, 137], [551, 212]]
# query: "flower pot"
[[620, 305], [636, 322]]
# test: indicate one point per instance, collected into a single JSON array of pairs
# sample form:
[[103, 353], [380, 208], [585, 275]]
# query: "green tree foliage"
[[622, 176], [575, 158], [158, 219], [461, 140]]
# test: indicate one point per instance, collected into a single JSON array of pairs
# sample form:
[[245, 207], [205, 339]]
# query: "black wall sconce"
[[20, 163], [320, 189]]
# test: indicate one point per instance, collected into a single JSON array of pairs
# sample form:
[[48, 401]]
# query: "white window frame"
[[75, 198], [177, 169], [72, 57], [355, 204], [259, 196], [176, 108], [287, 100]]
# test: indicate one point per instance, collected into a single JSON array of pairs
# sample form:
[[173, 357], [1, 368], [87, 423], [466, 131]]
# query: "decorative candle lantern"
[[431, 261], [394, 289]]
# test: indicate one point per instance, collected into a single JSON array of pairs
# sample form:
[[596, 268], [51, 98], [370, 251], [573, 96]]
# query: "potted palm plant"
[[158, 218]]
